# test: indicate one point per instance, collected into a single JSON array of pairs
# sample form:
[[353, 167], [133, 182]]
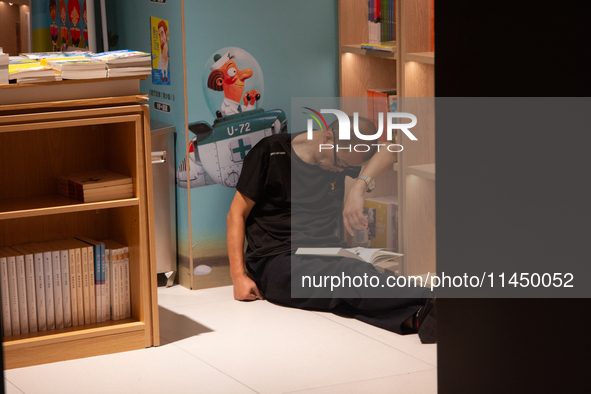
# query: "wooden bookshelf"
[[411, 72], [40, 142], [357, 50], [421, 57]]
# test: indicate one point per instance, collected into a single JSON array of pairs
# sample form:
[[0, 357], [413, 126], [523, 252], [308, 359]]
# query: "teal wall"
[[295, 43]]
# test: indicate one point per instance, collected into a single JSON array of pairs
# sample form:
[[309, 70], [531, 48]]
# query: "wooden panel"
[[71, 104], [353, 27], [416, 25], [360, 73], [419, 225], [421, 57], [419, 80], [53, 352], [55, 204]]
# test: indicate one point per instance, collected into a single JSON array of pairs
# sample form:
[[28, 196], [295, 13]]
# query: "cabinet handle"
[[158, 157]]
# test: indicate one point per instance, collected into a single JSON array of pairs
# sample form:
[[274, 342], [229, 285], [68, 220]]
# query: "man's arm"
[[353, 211], [244, 287]]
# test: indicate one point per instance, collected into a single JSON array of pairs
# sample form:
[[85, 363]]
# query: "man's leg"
[[390, 313]]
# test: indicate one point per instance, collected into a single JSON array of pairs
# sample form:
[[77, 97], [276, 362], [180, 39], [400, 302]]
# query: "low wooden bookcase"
[[38, 143]]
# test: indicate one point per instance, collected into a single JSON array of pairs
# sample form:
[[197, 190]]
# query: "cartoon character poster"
[[160, 52], [234, 92], [60, 26], [233, 88]]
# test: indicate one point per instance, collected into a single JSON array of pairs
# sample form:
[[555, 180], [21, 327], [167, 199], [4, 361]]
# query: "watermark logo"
[[345, 128]]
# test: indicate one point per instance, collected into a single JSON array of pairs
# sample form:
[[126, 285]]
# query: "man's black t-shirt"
[[297, 204]]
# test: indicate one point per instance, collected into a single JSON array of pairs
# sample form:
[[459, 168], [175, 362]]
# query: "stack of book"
[[30, 72], [125, 62], [3, 67], [78, 68], [63, 283], [98, 185]]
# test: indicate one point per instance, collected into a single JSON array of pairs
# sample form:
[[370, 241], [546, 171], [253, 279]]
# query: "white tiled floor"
[[213, 344]]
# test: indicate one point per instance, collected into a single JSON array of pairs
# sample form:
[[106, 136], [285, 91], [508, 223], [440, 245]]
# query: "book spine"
[[22, 294], [91, 283], [4, 286], [121, 290], [72, 280], [31, 298], [103, 285], [127, 288], [86, 284], [115, 284], [48, 279], [79, 286], [58, 302], [108, 284], [40, 292], [97, 283], [66, 295], [14, 310]]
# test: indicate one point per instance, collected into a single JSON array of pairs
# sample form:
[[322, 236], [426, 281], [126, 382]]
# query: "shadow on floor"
[[175, 327]]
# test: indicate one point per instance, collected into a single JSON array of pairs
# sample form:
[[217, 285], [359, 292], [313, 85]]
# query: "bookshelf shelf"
[[424, 171], [357, 50], [412, 75], [421, 57], [14, 208], [39, 143]]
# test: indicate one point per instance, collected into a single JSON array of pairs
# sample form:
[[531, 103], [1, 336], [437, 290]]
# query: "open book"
[[372, 256]]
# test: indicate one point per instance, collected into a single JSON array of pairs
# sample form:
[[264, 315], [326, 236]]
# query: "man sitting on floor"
[[290, 194]]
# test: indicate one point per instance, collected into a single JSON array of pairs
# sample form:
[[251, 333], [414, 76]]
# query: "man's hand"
[[353, 212], [245, 289]]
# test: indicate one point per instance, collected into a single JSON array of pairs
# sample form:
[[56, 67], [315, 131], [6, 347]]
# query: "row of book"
[[382, 21], [51, 66], [63, 283], [98, 185]]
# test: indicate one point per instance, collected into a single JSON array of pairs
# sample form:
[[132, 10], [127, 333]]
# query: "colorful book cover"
[[160, 52]]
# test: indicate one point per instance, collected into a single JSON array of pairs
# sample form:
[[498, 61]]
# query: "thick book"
[[39, 285], [121, 56], [116, 279], [22, 291], [30, 286], [383, 47], [372, 256], [96, 179], [99, 275], [65, 281], [58, 298]]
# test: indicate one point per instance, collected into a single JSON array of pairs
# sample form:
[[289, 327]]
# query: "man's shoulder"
[[276, 142]]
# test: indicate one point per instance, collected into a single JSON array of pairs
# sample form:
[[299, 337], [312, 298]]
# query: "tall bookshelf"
[[409, 70], [38, 143]]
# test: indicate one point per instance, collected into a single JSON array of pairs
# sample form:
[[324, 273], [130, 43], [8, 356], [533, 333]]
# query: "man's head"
[[344, 154]]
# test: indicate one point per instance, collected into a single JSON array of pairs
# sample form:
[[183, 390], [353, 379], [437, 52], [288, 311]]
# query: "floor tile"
[[155, 370], [423, 382], [10, 388], [178, 295], [410, 344], [274, 349]]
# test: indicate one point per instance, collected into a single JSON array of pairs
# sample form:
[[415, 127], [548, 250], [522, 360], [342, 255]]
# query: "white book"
[[30, 286], [121, 291], [58, 301], [22, 291], [48, 279], [127, 289], [91, 282], [4, 287], [107, 289], [79, 286], [72, 279], [115, 284], [65, 265], [13, 287], [39, 286], [86, 284]]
